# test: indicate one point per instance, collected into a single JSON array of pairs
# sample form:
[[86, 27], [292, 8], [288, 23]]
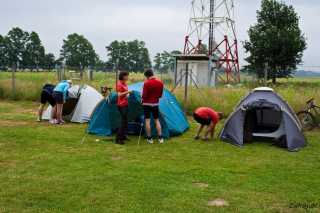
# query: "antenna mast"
[[207, 17]]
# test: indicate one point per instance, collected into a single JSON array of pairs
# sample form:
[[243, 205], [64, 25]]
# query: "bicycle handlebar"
[[308, 102]]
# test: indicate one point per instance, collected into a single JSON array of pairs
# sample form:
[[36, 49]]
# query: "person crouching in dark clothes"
[[123, 106]]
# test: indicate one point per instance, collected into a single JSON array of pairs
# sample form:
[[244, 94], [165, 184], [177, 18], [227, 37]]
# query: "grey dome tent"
[[265, 116]]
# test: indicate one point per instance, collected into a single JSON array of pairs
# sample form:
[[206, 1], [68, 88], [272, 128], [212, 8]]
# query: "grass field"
[[46, 167]]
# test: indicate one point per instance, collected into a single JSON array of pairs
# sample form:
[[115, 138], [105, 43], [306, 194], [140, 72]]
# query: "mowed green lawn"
[[46, 167]]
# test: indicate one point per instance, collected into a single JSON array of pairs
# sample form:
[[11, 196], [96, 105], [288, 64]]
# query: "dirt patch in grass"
[[202, 185], [1, 144], [7, 164], [218, 202], [27, 111], [115, 157], [13, 123]]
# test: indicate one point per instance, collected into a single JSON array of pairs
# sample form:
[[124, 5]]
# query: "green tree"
[[164, 62], [276, 40], [3, 58], [132, 55], [171, 60], [15, 45], [77, 50], [48, 62], [34, 52], [157, 60], [117, 53]]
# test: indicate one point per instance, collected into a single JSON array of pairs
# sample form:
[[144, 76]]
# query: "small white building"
[[202, 69]]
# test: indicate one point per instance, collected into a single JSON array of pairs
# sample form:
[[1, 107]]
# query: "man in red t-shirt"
[[151, 93], [206, 116], [123, 107]]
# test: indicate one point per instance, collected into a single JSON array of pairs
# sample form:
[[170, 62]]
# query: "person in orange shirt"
[[206, 116], [123, 106]]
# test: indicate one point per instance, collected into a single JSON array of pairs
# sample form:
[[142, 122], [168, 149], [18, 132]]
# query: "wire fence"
[[74, 72]]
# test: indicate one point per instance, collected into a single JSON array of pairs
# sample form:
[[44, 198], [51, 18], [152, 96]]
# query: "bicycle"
[[306, 118]]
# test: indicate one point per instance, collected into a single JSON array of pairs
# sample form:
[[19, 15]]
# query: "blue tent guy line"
[[106, 117]]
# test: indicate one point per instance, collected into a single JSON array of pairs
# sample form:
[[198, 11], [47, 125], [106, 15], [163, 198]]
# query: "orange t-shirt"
[[122, 87], [205, 113]]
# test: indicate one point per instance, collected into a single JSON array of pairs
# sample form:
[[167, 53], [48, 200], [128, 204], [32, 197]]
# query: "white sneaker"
[[160, 140], [39, 119], [53, 121], [150, 140]]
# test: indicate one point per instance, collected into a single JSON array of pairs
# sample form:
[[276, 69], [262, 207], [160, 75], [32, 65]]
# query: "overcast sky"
[[162, 25]]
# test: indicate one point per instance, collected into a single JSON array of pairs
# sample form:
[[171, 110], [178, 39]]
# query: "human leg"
[[148, 127], [200, 129], [53, 111], [207, 130], [59, 112], [40, 111], [124, 123]]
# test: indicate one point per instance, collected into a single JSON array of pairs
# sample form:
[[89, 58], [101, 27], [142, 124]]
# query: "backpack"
[[280, 141]]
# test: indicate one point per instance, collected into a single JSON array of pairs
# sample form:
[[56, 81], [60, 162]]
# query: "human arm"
[[212, 131], [65, 90], [144, 92], [121, 94]]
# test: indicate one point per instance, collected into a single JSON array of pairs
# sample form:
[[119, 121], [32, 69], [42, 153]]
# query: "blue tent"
[[106, 117]]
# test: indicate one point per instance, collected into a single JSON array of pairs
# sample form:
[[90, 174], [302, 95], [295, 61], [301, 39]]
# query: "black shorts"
[[58, 97], [201, 120], [45, 96], [147, 110]]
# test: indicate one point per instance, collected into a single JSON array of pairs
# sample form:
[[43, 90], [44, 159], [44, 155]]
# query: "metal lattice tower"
[[206, 18]]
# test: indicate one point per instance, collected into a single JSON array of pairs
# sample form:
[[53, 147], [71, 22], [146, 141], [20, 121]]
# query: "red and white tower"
[[211, 30]]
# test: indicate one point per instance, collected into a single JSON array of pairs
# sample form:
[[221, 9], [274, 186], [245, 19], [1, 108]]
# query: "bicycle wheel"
[[307, 120]]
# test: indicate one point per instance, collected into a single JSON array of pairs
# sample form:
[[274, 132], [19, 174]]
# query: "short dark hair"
[[122, 74], [148, 73]]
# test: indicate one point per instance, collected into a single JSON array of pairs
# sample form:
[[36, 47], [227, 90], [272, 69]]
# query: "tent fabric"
[[267, 114], [106, 116], [80, 102]]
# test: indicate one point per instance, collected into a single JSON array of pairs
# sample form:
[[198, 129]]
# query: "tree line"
[[25, 49], [275, 40]]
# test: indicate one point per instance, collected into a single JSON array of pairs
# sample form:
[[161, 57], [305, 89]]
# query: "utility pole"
[[186, 90], [13, 80], [60, 71], [117, 72], [265, 74]]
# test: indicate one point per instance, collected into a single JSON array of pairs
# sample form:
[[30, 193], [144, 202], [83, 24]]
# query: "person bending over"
[[46, 95], [60, 95], [206, 117]]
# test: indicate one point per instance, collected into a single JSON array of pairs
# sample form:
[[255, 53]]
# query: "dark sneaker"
[[204, 139], [196, 137], [39, 119], [59, 122], [125, 139], [120, 142]]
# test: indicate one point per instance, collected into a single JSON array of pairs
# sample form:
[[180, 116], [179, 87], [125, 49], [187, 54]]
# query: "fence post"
[[60, 71], [117, 70], [265, 74], [13, 79], [186, 90]]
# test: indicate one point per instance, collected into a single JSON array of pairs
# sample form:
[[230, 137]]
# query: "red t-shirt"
[[206, 113], [122, 87], [152, 91]]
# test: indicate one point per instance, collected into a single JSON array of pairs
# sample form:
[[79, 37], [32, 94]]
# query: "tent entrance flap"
[[69, 106], [264, 124]]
